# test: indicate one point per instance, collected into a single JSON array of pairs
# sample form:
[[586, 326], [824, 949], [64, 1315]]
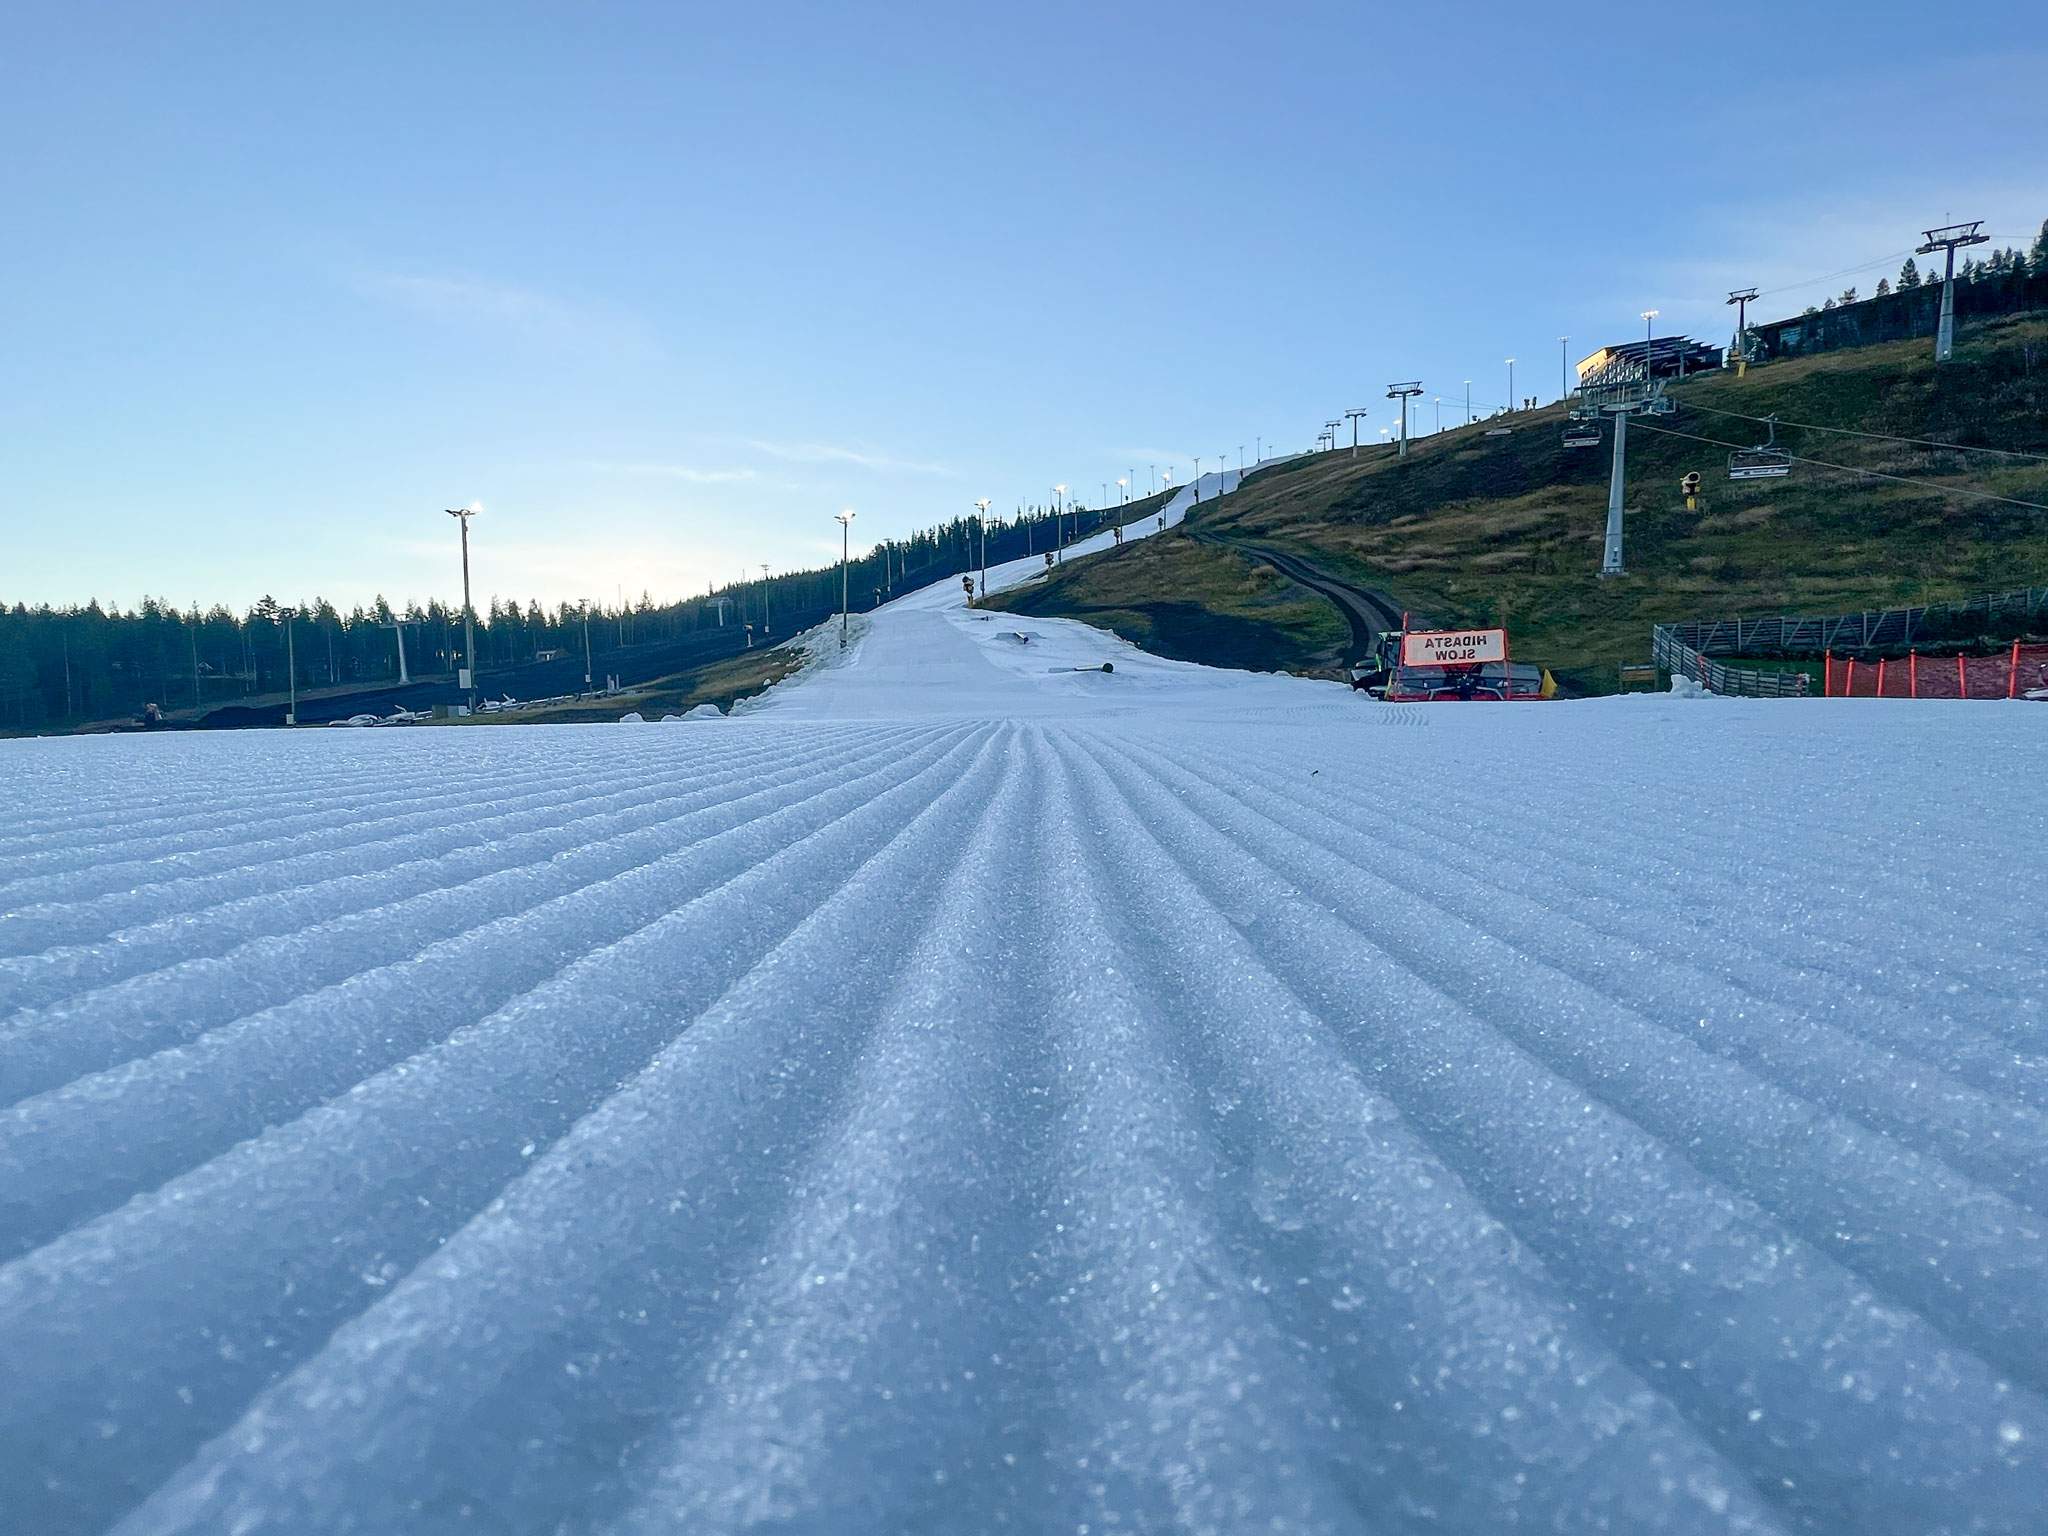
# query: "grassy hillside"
[[1471, 528], [1177, 597]]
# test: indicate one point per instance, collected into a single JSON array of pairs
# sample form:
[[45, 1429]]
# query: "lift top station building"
[[1671, 357]]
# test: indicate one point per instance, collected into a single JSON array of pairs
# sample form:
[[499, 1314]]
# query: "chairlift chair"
[[1582, 434], [1765, 461]]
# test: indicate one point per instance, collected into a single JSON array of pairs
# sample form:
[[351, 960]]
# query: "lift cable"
[[1851, 469], [1882, 437]]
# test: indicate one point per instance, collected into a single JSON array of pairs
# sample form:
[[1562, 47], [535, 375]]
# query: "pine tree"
[[2039, 258], [1909, 275], [1884, 286]]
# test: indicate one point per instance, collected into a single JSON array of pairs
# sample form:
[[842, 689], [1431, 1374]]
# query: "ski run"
[[958, 1092]]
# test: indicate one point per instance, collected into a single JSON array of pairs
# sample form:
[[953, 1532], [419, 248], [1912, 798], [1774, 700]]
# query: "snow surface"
[[954, 1095]]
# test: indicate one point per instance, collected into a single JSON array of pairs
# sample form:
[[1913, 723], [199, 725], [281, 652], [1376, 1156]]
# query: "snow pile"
[[705, 711], [632, 717], [962, 1095]]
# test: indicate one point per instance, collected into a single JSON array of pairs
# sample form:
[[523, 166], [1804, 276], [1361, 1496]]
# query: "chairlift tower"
[[1946, 239], [1403, 392], [1330, 431], [1355, 415], [1620, 394], [1740, 298]]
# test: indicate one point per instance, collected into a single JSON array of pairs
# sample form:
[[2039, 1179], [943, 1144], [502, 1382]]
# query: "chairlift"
[[1766, 461], [1582, 434]]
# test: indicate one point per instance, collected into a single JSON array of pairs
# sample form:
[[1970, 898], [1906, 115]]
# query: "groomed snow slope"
[[960, 1096]]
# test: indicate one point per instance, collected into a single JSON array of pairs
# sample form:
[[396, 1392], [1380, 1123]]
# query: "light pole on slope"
[[845, 521], [981, 528], [465, 679], [291, 665]]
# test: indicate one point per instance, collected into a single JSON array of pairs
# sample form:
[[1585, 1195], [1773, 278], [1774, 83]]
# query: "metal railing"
[[1852, 631], [1682, 660]]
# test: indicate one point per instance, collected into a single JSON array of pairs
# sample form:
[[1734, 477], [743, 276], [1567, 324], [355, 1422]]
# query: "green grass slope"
[[1471, 528], [1176, 597]]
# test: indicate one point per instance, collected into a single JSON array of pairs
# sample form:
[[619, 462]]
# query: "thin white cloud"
[[504, 308], [1801, 251], [859, 458], [684, 472]]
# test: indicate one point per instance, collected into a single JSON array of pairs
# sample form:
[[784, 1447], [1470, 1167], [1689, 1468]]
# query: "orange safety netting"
[[2019, 673]]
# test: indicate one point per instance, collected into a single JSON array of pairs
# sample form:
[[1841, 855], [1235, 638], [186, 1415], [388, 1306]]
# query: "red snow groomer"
[[1448, 666]]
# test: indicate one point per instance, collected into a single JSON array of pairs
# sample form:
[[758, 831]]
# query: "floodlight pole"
[[1564, 390], [1946, 239], [462, 515], [1355, 415], [1649, 318], [586, 638], [845, 521], [291, 667], [981, 527], [1468, 402], [1740, 298], [1513, 403], [766, 628], [1402, 392]]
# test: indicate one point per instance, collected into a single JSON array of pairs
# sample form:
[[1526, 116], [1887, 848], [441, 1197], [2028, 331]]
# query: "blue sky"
[[665, 286]]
